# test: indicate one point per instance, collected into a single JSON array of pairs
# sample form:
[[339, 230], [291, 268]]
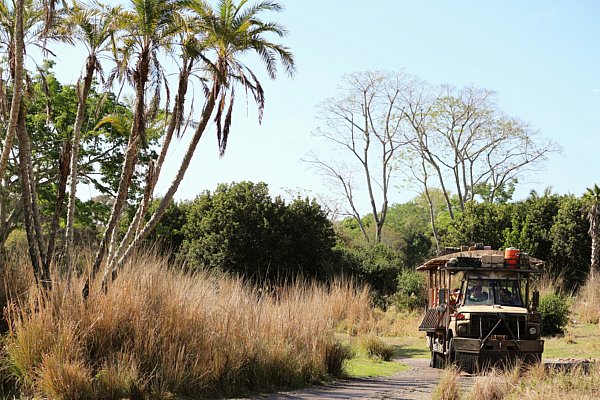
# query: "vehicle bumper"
[[498, 346]]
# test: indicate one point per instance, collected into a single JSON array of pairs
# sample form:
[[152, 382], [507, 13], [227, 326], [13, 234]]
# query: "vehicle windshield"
[[504, 292]]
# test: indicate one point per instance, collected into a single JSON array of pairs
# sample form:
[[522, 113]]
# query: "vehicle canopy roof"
[[440, 261]]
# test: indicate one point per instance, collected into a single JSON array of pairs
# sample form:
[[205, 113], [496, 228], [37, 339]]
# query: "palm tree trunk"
[[166, 200], [60, 199], [131, 158], [16, 72], [32, 240], [17, 128], [154, 170], [83, 92], [594, 218]]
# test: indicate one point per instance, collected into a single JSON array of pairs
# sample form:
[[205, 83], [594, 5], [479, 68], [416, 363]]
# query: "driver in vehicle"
[[506, 296], [477, 294]]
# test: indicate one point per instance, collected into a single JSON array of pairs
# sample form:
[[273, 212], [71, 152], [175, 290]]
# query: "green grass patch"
[[579, 341], [362, 366], [409, 346]]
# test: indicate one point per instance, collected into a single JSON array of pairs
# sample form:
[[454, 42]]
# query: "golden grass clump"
[[577, 383], [159, 332], [548, 284], [493, 385], [448, 388], [537, 383], [375, 347], [587, 305], [396, 322]]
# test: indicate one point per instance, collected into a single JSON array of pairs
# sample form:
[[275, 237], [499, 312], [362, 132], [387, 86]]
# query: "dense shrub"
[[374, 263], [555, 314], [411, 288], [241, 229]]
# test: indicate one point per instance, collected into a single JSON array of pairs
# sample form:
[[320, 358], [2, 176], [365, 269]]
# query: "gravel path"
[[416, 384]]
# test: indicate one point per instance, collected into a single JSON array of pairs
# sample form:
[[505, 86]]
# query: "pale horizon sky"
[[542, 58]]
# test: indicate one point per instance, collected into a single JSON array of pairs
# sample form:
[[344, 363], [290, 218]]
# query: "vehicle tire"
[[466, 362], [438, 360], [451, 352]]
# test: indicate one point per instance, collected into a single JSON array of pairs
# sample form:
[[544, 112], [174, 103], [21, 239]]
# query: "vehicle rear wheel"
[[438, 360]]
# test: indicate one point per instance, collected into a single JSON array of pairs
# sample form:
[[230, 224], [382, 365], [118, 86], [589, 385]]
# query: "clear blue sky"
[[541, 57]]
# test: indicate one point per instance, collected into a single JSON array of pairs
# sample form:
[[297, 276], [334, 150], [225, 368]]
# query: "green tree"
[[531, 222], [569, 256], [479, 223], [239, 228], [373, 263]]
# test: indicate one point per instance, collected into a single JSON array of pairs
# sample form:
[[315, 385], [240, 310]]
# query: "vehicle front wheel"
[[467, 362]]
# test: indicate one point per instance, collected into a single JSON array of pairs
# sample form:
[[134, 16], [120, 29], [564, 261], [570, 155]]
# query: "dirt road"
[[416, 384]]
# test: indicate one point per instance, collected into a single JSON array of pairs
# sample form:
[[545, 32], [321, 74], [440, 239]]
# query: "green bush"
[[375, 264], [555, 314], [411, 288], [407, 302], [239, 228]]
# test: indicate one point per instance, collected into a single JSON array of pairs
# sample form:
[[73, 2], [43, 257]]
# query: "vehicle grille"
[[482, 324]]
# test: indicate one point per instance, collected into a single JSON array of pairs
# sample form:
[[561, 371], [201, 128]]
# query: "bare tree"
[[417, 170], [365, 123], [469, 143]]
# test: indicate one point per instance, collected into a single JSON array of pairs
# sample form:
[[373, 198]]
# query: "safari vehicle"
[[479, 309]]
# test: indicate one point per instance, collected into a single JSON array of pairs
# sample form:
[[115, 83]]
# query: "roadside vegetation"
[[160, 332], [533, 383]]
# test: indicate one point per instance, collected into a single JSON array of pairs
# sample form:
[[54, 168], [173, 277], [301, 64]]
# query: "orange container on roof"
[[511, 257]]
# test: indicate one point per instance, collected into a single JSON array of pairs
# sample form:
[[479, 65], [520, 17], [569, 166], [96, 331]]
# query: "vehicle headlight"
[[532, 330]]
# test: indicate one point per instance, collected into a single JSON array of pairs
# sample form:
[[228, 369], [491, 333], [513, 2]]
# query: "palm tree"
[[147, 30], [20, 27], [226, 32], [94, 27], [15, 23], [191, 50], [592, 199]]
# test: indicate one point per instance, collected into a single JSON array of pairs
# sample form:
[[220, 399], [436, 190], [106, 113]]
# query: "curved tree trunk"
[[154, 169], [17, 128], [131, 158], [82, 92], [27, 196], [63, 168], [151, 224]]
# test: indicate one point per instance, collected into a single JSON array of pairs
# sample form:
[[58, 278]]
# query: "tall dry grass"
[[448, 388], [587, 305], [159, 332], [532, 383]]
